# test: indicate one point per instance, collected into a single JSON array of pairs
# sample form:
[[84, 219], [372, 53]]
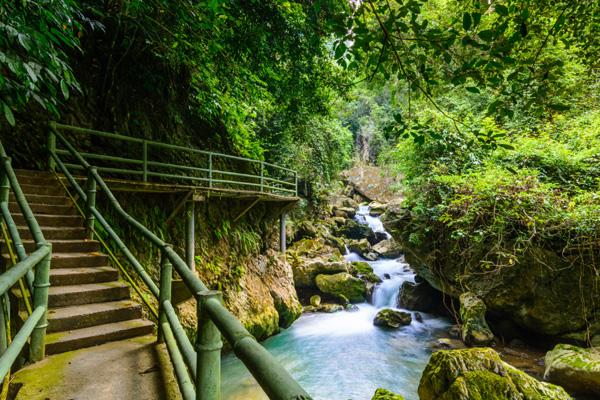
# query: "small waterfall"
[[392, 272]]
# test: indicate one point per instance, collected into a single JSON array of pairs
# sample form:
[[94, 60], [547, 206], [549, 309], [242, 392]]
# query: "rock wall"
[[545, 293]]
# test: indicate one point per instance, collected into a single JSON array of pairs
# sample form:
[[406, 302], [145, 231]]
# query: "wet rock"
[[338, 221], [382, 394], [377, 237], [371, 256], [475, 330], [387, 248], [315, 300], [363, 270], [386, 276], [352, 308], [418, 317], [394, 319], [448, 344], [419, 297], [305, 274], [352, 229], [330, 308], [342, 284], [575, 368], [479, 373]]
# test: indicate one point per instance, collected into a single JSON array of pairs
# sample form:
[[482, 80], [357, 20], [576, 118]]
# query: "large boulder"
[[419, 297], [376, 208], [388, 318], [305, 274], [575, 368], [342, 285], [382, 394], [388, 248], [475, 330], [344, 212], [480, 374], [377, 237], [361, 246]]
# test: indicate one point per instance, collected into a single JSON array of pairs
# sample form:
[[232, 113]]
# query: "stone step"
[[44, 199], [64, 245], [84, 316], [63, 296], [60, 342], [81, 276], [39, 209], [52, 188], [51, 232], [20, 172], [52, 220]]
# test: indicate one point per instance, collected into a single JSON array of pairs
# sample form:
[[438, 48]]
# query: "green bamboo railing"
[[34, 267], [266, 178], [197, 368]]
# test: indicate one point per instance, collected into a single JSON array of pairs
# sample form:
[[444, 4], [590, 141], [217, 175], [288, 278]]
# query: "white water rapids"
[[343, 355]]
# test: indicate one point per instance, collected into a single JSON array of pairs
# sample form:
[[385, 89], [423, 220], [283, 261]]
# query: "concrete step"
[[63, 296], [51, 232], [60, 342], [52, 188], [44, 199], [80, 276], [73, 260], [52, 220], [78, 260], [63, 245], [78, 317], [39, 209]]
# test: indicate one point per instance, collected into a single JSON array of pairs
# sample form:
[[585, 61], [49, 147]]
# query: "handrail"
[[284, 183], [197, 369], [34, 327]]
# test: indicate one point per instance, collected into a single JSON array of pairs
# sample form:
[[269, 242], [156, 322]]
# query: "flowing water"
[[343, 355]]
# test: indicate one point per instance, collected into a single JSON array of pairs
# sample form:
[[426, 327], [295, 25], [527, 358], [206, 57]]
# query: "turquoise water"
[[343, 355]]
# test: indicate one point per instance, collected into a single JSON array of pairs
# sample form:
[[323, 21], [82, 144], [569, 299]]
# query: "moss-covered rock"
[[315, 300], [382, 394], [361, 246], [344, 212], [364, 271], [305, 274], [575, 368], [394, 319], [480, 374], [352, 229], [342, 284], [475, 330]]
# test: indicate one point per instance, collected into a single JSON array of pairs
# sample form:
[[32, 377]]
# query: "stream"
[[343, 355]]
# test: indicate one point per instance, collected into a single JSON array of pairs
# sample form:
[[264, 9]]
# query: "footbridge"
[[65, 293]]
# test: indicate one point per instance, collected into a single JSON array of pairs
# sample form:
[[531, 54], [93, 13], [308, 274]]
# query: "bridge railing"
[[194, 166], [34, 268], [197, 367]]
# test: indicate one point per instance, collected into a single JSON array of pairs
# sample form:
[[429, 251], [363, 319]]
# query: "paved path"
[[123, 370]]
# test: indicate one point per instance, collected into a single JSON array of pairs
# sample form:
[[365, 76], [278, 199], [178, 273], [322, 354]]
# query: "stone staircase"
[[88, 305]]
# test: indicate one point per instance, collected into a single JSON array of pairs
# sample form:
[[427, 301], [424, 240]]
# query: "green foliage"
[[34, 37]]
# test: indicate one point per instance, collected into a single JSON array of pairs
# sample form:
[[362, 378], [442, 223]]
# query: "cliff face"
[[236, 257]]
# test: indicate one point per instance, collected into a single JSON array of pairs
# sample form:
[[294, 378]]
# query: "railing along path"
[[201, 168], [197, 368], [34, 268]]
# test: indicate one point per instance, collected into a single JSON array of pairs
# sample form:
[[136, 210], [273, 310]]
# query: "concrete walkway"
[[123, 370]]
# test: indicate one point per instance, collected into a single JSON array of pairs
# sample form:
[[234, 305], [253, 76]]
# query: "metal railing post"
[[262, 177], [208, 348], [145, 160], [210, 170], [41, 282], [166, 279], [51, 149], [91, 202], [190, 234]]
